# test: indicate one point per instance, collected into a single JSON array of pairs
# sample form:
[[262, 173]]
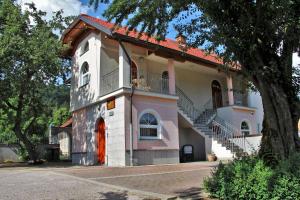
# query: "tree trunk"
[[30, 148], [279, 126]]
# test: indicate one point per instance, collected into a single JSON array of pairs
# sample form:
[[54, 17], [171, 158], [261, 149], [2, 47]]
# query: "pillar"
[[230, 90], [124, 68], [171, 72]]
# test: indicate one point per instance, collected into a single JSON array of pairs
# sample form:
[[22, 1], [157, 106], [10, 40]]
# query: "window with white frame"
[[84, 74], [85, 48], [149, 126], [245, 128]]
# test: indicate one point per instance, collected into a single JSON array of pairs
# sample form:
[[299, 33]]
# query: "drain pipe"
[[132, 87]]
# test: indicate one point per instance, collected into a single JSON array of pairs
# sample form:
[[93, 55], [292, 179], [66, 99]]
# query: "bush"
[[250, 178]]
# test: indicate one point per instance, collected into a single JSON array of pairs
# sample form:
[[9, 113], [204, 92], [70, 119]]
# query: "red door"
[[101, 142]]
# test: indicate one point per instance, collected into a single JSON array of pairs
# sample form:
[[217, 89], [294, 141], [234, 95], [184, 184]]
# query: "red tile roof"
[[167, 43]]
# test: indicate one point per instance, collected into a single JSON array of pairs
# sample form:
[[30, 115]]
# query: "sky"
[[75, 7]]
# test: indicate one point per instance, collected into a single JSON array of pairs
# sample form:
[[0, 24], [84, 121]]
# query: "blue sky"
[[172, 33], [75, 7]]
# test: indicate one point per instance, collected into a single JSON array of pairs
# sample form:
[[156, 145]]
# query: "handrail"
[[187, 105], [228, 135], [182, 94]]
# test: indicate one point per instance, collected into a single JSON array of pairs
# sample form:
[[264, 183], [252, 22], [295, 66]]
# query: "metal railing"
[[240, 98], [151, 82], [187, 105], [228, 135], [109, 82], [208, 113]]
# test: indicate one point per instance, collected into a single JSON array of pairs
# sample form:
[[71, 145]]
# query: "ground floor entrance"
[[101, 141]]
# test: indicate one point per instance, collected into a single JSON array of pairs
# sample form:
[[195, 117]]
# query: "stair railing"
[[207, 112], [187, 105], [228, 135]]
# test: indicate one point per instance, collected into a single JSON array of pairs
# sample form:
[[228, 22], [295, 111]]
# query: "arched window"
[[84, 74], [165, 82], [134, 73], [85, 48], [245, 128], [149, 126], [216, 94]]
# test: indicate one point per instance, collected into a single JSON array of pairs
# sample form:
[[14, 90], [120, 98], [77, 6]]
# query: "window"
[[84, 74], [85, 48], [134, 73], [165, 82], [149, 126], [245, 128]]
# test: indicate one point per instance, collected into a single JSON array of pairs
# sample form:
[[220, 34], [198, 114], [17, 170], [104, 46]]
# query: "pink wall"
[[167, 111], [236, 114], [79, 132]]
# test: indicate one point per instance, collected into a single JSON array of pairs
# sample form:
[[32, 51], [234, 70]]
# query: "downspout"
[[131, 104]]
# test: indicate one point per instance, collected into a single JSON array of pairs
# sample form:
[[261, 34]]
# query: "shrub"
[[250, 178]]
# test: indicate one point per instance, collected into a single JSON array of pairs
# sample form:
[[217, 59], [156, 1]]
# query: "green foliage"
[[60, 115], [250, 178], [31, 67]]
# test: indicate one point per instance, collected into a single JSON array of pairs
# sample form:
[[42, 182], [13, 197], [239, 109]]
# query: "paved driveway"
[[144, 182]]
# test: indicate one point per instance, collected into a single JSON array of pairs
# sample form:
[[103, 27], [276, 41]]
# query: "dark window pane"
[[148, 132], [148, 119]]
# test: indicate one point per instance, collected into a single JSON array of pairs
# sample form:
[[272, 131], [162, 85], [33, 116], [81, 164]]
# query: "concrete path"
[[96, 182]]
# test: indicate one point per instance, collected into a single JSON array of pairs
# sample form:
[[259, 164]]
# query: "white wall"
[[236, 114], [81, 96], [197, 85], [255, 101]]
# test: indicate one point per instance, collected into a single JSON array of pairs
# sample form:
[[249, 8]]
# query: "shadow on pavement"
[[114, 195], [191, 193]]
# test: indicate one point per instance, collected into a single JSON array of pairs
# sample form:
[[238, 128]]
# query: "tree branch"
[[10, 105]]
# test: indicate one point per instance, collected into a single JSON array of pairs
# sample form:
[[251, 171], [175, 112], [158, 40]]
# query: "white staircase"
[[227, 141]]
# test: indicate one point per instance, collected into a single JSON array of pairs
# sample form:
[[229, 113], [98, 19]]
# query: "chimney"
[[181, 41]]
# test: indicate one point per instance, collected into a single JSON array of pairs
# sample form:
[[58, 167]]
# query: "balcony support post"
[[171, 72], [230, 90], [124, 68]]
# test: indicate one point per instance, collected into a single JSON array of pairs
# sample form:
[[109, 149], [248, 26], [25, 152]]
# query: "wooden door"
[[216, 94], [101, 142]]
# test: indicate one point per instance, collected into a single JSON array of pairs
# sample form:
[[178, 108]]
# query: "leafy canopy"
[[30, 68]]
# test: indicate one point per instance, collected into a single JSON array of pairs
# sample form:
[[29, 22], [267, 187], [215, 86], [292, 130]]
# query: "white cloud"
[[70, 7]]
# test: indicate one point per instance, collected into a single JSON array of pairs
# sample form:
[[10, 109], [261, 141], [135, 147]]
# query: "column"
[[124, 68], [230, 90], [171, 72]]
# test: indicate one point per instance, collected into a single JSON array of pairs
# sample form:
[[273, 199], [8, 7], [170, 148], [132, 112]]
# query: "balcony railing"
[[151, 82], [109, 82], [240, 98]]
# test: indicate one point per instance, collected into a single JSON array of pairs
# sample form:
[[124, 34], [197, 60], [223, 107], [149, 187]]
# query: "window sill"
[[149, 138]]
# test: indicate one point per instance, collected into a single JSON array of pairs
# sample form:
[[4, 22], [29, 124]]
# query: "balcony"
[[109, 82], [151, 82], [240, 98]]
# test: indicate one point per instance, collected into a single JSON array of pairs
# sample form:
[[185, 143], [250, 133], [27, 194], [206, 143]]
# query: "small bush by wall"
[[249, 178]]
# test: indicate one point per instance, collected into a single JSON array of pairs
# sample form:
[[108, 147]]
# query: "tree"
[[30, 64], [260, 35], [60, 115]]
